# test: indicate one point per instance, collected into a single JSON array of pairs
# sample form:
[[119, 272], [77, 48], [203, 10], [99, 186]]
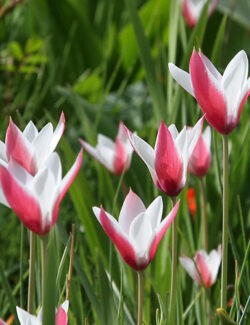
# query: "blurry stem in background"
[[204, 229], [69, 275], [173, 269], [113, 212], [140, 298], [21, 265], [224, 224], [44, 241], [31, 285]]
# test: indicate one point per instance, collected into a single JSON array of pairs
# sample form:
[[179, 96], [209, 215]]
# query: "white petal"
[[65, 306], [141, 235], [132, 207], [234, 81], [105, 141], [41, 144], [106, 156], [207, 137], [182, 77], [189, 266], [30, 132], [213, 261], [213, 73], [27, 319], [3, 151], [173, 130], [57, 133], [154, 212]]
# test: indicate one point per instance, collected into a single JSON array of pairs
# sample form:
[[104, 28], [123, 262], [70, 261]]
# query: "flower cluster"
[[31, 174]]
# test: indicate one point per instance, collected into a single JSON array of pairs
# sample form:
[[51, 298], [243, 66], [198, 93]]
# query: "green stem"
[[31, 285], [44, 250], [140, 298], [21, 265], [173, 269], [224, 224], [204, 214]]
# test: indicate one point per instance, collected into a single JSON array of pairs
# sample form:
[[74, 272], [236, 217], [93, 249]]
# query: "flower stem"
[[173, 269], [224, 224], [140, 298], [44, 251], [31, 284], [204, 214]]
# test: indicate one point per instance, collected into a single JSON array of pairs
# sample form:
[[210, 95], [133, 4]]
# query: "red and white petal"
[[22, 202], [162, 228], [115, 233], [132, 206], [120, 157], [182, 77], [90, 149], [58, 132], [208, 94], [203, 268], [19, 149], [104, 141], [214, 260], [190, 267], [168, 162], [65, 184]]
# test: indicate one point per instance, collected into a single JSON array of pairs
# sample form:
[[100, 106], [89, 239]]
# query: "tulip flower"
[[200, 159], [36, 199], [221, 97], [138, 230], [31, 147], [168, 161], [191, 10], [204, 267], [26, 318], [115, 156]]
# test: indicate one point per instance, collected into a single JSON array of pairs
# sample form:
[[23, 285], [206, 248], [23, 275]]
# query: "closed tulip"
[[200, 160], [168, 160]]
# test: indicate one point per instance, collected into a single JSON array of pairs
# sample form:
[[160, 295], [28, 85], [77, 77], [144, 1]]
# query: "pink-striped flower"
[[200, 159], [27, 319], [115, 156], [31, 147], [138, 230], [191, 10], [204, 267], [168, 160], [36, 199], [221, 97]]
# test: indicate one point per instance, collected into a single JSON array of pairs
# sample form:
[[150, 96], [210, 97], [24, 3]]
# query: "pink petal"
[[17, 148], [168, 164], [208, 94], [190, 16], [162, 228], [61, 317], [120, 157], [203, 269], [22, 203], [121, 242], [66, 182]]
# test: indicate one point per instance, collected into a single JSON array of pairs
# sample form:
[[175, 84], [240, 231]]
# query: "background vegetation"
[[101, 62]]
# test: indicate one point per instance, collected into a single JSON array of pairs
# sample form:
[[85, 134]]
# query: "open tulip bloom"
[[168, 160], [138, 230], [200, 159], [115, 156], [191, 10], [221, 97], [31, 147], [36, 199], [204, 267], [26, 318]]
